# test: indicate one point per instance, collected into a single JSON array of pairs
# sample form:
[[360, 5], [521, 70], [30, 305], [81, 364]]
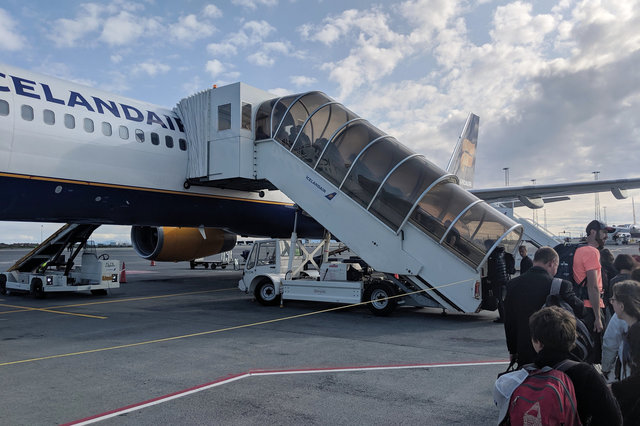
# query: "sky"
[[555, 83]]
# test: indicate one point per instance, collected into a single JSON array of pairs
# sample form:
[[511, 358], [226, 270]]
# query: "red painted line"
[[259, 372]]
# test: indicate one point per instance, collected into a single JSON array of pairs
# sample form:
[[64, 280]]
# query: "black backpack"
[[565, 268], [584, 342]]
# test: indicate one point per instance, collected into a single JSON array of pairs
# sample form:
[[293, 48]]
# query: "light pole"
[[506, 176], [597, 197]]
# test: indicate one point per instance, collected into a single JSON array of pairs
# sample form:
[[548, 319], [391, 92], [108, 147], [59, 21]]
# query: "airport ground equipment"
[[272, 276], [48, 269], [402, 214], [221, 261]]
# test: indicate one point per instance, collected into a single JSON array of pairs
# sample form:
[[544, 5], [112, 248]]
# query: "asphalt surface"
[[171, 329]]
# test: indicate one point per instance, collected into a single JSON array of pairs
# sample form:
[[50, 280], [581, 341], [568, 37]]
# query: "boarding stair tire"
[[36, 288], [378, 294], [265, 293]]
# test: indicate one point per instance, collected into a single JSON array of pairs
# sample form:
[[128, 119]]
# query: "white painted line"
[[229, 379]]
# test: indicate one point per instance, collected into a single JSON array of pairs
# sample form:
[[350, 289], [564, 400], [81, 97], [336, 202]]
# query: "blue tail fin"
[[463, 159]]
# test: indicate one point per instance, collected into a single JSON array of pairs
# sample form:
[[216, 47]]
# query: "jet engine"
[[169, 244]]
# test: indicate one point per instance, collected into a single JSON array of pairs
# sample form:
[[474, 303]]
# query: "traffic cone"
[[153, 263], [123, 274]]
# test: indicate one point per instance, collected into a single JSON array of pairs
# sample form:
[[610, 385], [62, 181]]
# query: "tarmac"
[[181, 346]]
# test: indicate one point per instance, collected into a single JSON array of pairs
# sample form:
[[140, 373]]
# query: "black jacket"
[[627, 392], [525, 295], [596, 403], [525, 264]]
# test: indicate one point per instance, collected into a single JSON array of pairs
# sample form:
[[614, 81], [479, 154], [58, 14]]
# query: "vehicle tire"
[[214, 266], [37, 290], [99, 292], [265, 293], [192, 264], [3, 284], [378, 293], [206, 266], [224, 266]]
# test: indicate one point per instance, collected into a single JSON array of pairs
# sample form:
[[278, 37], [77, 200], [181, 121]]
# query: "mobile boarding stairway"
[[47, 268], [401, 213]]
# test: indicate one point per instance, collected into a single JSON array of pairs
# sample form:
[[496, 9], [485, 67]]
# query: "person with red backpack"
[[555, 389]]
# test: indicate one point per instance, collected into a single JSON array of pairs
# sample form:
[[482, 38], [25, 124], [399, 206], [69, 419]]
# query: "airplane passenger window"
[[49, 117], [27, 112], [224, 117], [155, 139], [88, 125], [139, 135], [169, 141], [4, 107], [69, 121], [106, 129], [246, 116], [124, 132], [183, 144]]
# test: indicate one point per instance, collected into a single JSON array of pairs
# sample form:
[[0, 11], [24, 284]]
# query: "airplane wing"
[[531, 195]]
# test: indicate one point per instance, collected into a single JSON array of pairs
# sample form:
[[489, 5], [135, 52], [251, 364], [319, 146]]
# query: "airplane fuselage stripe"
[[137, 188]]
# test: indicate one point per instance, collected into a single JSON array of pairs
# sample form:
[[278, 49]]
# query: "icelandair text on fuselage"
[[29, 88]]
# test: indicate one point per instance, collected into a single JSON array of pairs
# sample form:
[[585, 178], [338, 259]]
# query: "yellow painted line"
[[25, 308], [131, 299], [139, 188], [203, 333]]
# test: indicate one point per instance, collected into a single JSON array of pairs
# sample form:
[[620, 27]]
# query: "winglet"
[[463, 159]]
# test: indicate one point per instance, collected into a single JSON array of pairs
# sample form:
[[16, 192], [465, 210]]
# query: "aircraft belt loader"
[[272, 276], [46, 269]]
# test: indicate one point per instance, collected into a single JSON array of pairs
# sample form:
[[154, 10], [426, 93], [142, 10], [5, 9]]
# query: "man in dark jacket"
[[525, 295], [526, 263]]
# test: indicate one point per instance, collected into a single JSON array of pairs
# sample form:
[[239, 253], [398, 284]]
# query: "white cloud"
[[251, 33], [189, 28], [126, 28], [116, 59], [212, 11], [67, 32], [514, 25], [302, 81], [261, 59], [215, 67], [151, 68], [253, 4], [10, 38], [222, 49], [376, 51]]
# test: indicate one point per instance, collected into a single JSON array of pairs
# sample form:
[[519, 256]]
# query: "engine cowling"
[[169, 244]]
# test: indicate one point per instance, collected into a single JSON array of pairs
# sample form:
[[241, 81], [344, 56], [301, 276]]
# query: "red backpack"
[[546, 397]]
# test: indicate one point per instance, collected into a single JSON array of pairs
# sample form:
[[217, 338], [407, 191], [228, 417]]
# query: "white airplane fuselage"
[[71, 153]]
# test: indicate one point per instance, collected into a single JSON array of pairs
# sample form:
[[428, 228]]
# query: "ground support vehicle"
[[273, 276], [217, 261], [46, 269], [96, 274]]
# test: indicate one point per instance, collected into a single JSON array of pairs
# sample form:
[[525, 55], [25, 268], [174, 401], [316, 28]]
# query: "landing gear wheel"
[[37, 290], [3, 284], [265, 293], [378, 294]]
